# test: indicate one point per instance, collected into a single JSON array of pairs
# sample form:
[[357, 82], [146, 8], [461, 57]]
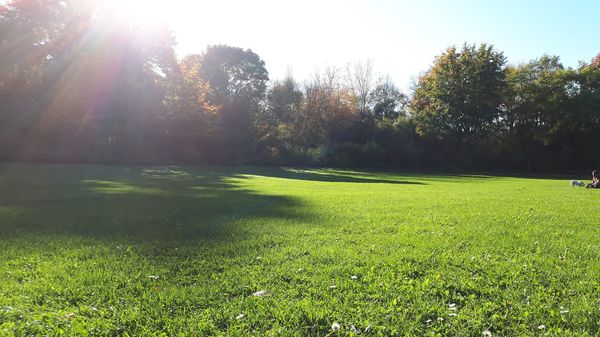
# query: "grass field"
[[178, 251]]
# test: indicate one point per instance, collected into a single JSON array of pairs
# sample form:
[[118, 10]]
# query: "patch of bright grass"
[[178, 251]]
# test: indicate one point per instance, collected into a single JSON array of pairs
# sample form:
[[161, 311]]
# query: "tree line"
[[81, 83]]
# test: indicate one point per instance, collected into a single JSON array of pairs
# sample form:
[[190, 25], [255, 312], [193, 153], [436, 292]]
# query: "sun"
[[139, 11]]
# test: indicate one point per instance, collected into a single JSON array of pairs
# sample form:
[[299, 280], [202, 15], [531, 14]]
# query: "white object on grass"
[[577, 183], [261, 293]]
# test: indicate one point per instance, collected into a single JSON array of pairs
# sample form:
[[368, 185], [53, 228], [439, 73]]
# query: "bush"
[[356, 155]]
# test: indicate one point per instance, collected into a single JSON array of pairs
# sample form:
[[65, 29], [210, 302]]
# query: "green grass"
[[179, 251]]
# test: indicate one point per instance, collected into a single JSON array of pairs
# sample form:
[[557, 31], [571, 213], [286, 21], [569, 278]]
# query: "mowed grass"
[[180, 251]]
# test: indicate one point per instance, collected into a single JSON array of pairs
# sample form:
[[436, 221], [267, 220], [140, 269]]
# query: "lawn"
[[182, 251]]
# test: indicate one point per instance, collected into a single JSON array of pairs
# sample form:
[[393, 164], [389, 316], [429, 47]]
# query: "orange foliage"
[[596, 61]]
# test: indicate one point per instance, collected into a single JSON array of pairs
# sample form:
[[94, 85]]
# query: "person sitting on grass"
[[595, 180]]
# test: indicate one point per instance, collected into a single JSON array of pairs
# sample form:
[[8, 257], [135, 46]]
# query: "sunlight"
[[139, 11]]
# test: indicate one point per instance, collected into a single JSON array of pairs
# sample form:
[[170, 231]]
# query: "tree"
[[280, 115], [233, 74], [359, 77], [189, 121], [596, 61], [238, 81], [95, 98], [539, 119], [387, 100], [585, 102], [330, 110], [460, 96]]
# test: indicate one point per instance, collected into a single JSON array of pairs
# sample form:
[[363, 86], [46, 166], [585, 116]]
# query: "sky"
[[400, 37]]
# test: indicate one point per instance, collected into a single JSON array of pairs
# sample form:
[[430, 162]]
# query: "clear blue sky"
[[401, 37]]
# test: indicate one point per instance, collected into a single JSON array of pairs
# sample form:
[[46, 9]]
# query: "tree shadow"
[[453, 178], [132, 203], [328, 175], [151, 203]]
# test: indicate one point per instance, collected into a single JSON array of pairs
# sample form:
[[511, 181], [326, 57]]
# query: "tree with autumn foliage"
[[595, 61]]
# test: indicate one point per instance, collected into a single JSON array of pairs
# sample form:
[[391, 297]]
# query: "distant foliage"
[[81, 83], [596, 61]]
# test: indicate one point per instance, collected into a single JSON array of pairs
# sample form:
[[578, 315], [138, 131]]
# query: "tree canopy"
[[460, 96]]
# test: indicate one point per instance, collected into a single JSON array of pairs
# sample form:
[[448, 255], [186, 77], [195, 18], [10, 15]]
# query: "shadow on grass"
[[132, 203], [366, 176], [327, 175], [152, 203]]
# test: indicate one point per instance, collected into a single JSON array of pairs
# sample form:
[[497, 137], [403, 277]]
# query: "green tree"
[[461, 94], [388, 102], [585, 101], [458, 99], [233, 73], [238, 81], [279, 117], [541, 118]]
